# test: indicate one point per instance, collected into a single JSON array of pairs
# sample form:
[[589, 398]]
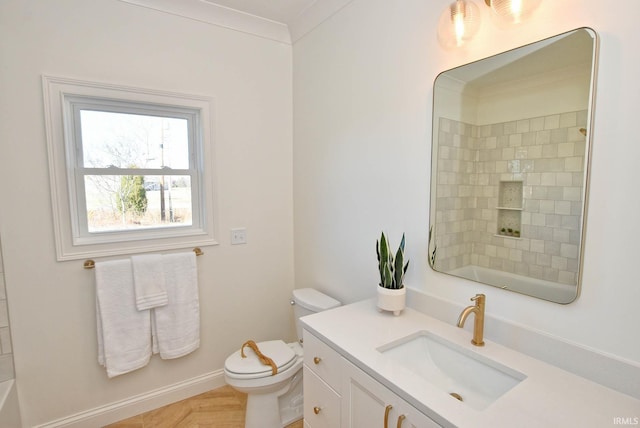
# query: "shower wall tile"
[[4, 314], [6, 367], [5, 341], [547, 155], [6, 349]]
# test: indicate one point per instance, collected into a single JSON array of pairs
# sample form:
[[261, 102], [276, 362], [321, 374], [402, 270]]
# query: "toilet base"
[[278, 409], [291, 404]]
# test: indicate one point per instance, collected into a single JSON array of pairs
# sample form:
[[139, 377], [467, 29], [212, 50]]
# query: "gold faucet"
[[478, 325]]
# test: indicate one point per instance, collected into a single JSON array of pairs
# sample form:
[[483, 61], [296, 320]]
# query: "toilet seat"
[[251, 368]]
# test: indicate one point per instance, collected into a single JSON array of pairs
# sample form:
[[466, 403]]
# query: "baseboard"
[[138, 404]]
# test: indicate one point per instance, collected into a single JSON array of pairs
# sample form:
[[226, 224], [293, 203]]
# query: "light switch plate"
[[238, 236]]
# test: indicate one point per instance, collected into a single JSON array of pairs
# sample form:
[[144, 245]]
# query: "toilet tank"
[[308, 301]]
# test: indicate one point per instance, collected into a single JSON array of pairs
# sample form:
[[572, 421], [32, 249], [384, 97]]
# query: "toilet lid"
[[251, 367]]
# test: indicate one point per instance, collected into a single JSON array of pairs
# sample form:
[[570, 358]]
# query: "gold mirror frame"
[[510, 166]]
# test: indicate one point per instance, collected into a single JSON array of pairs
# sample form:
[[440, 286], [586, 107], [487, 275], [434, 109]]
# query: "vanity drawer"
[[321, 403], [322, 360]]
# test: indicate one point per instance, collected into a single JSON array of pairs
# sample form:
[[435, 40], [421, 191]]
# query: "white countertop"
[[548, 397]]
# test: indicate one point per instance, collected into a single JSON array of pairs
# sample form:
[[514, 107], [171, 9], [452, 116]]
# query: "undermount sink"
[[468, 376]]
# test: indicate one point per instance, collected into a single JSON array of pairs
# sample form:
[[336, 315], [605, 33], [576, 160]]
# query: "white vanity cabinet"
[[355, 337], [321, 382], [339, 394], [366, 403]]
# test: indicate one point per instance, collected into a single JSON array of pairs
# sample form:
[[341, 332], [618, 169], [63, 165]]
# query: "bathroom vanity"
[[342, 395], [364, 369]]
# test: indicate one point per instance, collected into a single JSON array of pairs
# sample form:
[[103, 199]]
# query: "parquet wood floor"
[[220, 408]]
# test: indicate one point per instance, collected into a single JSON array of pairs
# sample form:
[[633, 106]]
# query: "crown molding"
[[219, 15], [211, 13], [313, 16]]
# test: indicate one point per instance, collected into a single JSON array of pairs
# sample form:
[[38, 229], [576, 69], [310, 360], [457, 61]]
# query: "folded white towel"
[[177, 325], [148, 279], [124, 333]]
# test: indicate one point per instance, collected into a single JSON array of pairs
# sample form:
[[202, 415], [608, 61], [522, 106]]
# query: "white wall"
[[560, 95], [362, 138], [244, 289]]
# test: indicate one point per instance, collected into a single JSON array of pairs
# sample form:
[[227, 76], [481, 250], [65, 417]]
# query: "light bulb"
[[516, 9], [458, 23], [513, 11]]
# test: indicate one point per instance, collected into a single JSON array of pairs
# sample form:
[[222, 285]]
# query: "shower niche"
[[509, 209]]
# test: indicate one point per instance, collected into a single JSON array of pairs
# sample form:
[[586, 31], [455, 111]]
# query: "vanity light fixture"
[[458, 23], [461, 20], [513, 11]]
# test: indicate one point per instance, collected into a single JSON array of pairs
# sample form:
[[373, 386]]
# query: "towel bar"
[[90, 264]]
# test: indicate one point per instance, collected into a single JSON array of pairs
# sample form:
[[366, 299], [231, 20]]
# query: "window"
[[129, 168]]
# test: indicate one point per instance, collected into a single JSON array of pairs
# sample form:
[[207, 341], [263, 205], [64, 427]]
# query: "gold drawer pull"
[[317, 360], [316, 410], [401, 419], [386, 415]]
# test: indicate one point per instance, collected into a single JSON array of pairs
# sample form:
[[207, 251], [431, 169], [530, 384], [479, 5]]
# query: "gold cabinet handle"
[[316, 410], [386, 415], [317, 360], [401, 419]]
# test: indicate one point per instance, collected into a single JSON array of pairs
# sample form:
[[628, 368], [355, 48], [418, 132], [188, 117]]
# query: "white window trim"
[[71, 246]]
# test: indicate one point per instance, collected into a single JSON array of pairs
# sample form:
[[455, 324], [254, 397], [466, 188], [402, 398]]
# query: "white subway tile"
[[572, 193], [569, 251], [565, 277], [563, 207], [6, 367], [5, 340], [550, 150], [566, 150], [561, 235], [515, 255], [4, 315], [537, 246], [523, 126], [552, 122], [547, 207], [548, 179], [564, 179], [568, 119], [559, 135], [543, 137], [553, 220], [536, 124], [555, 193], [515, 140], [559, 263], [552, 248], [575, 163], [543, 260]]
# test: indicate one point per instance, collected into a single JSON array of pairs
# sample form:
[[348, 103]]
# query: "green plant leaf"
[[383, 256], [388, 277], [392, 269], [398, 271]]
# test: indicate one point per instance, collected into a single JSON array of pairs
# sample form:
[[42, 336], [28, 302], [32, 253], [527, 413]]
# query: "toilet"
[[274, 401]]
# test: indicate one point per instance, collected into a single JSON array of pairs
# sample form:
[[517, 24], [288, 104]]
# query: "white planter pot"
[[393, 300]]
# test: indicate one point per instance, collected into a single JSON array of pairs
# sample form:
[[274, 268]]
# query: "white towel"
[[177, 325], [148, 279], [124, 333]]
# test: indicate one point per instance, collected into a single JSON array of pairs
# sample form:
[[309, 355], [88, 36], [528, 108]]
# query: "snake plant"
[[392, 269]]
